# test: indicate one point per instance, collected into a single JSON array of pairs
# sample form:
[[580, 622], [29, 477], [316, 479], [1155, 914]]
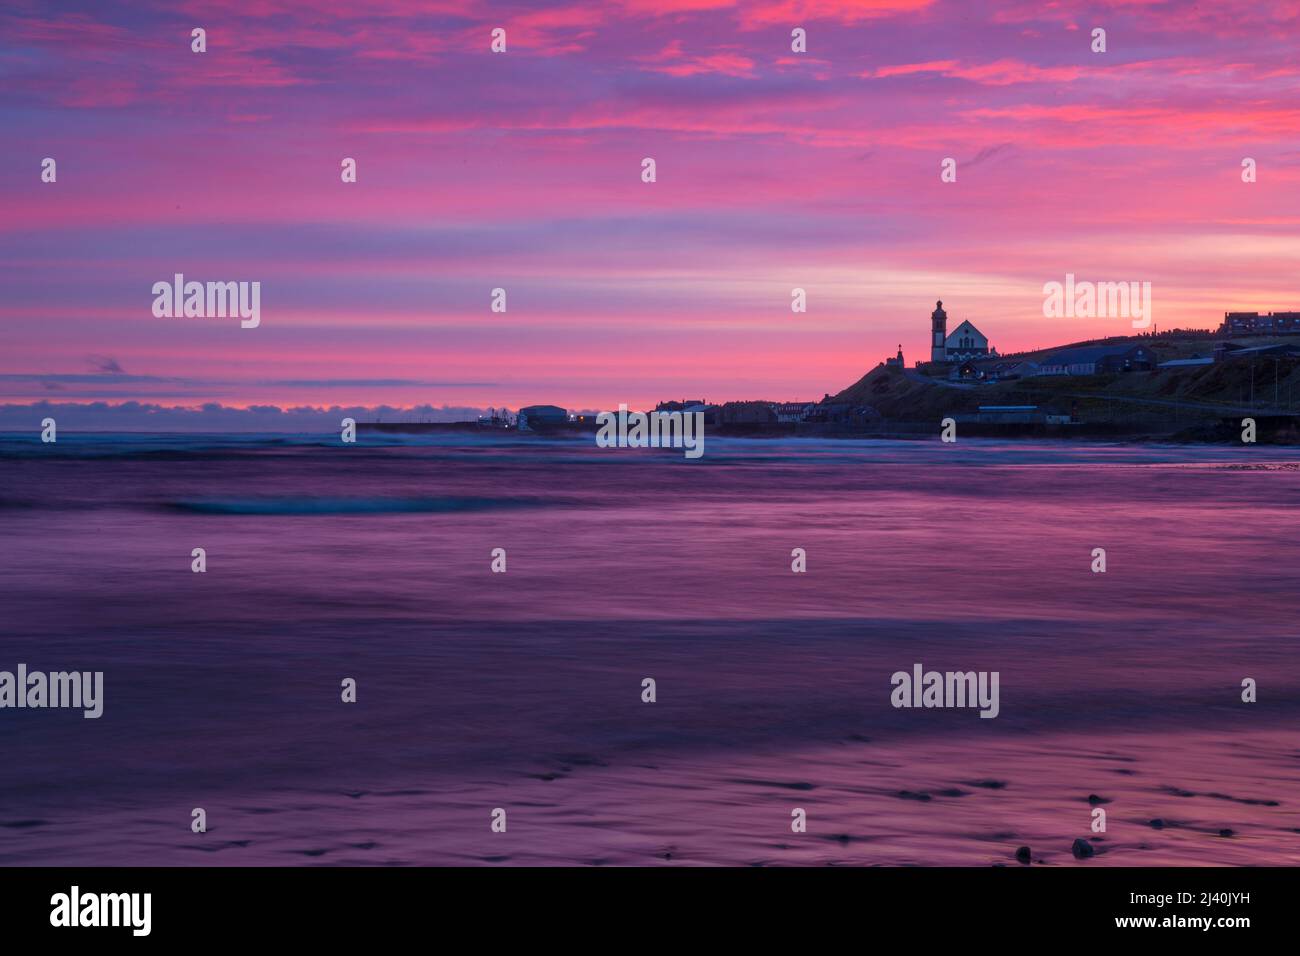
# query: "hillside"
[[1173, 395]]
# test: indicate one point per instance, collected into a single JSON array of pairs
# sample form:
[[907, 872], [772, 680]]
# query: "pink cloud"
[[767, 13], [674, 62], [522, 170]]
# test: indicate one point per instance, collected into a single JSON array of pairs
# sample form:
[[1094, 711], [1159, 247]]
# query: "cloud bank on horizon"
[[522, 170], [135, 416]]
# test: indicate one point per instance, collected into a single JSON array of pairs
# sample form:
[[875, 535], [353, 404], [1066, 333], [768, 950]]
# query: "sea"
[[519, 697]]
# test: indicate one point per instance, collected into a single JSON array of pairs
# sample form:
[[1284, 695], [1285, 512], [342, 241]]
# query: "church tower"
[[939, 334]]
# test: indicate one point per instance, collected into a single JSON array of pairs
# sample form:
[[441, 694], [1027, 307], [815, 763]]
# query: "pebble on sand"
[[1082, 849], [1022, 854]]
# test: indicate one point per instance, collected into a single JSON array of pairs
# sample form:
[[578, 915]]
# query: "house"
[[745, 413], [689, 407], [1252, 323], [793, 411], [1139, 358], [1022, 369], [710, 412]]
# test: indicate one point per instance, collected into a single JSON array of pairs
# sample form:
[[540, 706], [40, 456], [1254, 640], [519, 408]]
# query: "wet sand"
[[867, 804]]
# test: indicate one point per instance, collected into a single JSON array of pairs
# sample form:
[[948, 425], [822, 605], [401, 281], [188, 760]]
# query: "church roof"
[[964, 324]]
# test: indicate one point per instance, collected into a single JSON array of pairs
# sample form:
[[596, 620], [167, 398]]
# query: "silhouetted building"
[[1252, 323], [965, 342], [745, 413], [1000, 371], [541, 416], [938, 333], [1099, 359], [793, 411]]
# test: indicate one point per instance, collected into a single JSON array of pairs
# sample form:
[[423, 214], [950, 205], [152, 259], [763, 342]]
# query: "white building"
[[965, 342], [793, 411]]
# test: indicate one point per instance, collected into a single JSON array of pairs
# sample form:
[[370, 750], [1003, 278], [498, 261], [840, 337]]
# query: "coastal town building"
[[938, 333], [1098, 359], [843, 413], [965, 371], [793, 411], [1252, 323], [541, 416], [689, 406], [1001, 371], [745, 413], [965, 342]]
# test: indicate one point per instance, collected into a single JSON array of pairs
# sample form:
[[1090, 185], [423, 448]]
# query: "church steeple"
[[939, 333]]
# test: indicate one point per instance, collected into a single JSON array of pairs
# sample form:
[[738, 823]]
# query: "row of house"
[[763, 413], [1253, 323], [750, 413]]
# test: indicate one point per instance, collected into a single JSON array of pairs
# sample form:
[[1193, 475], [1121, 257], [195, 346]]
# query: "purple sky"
[[521, 170]]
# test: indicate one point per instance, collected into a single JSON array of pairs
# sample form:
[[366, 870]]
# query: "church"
[[965, 342]]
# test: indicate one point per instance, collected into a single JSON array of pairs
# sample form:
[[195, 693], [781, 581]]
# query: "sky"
[[522, 170]]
